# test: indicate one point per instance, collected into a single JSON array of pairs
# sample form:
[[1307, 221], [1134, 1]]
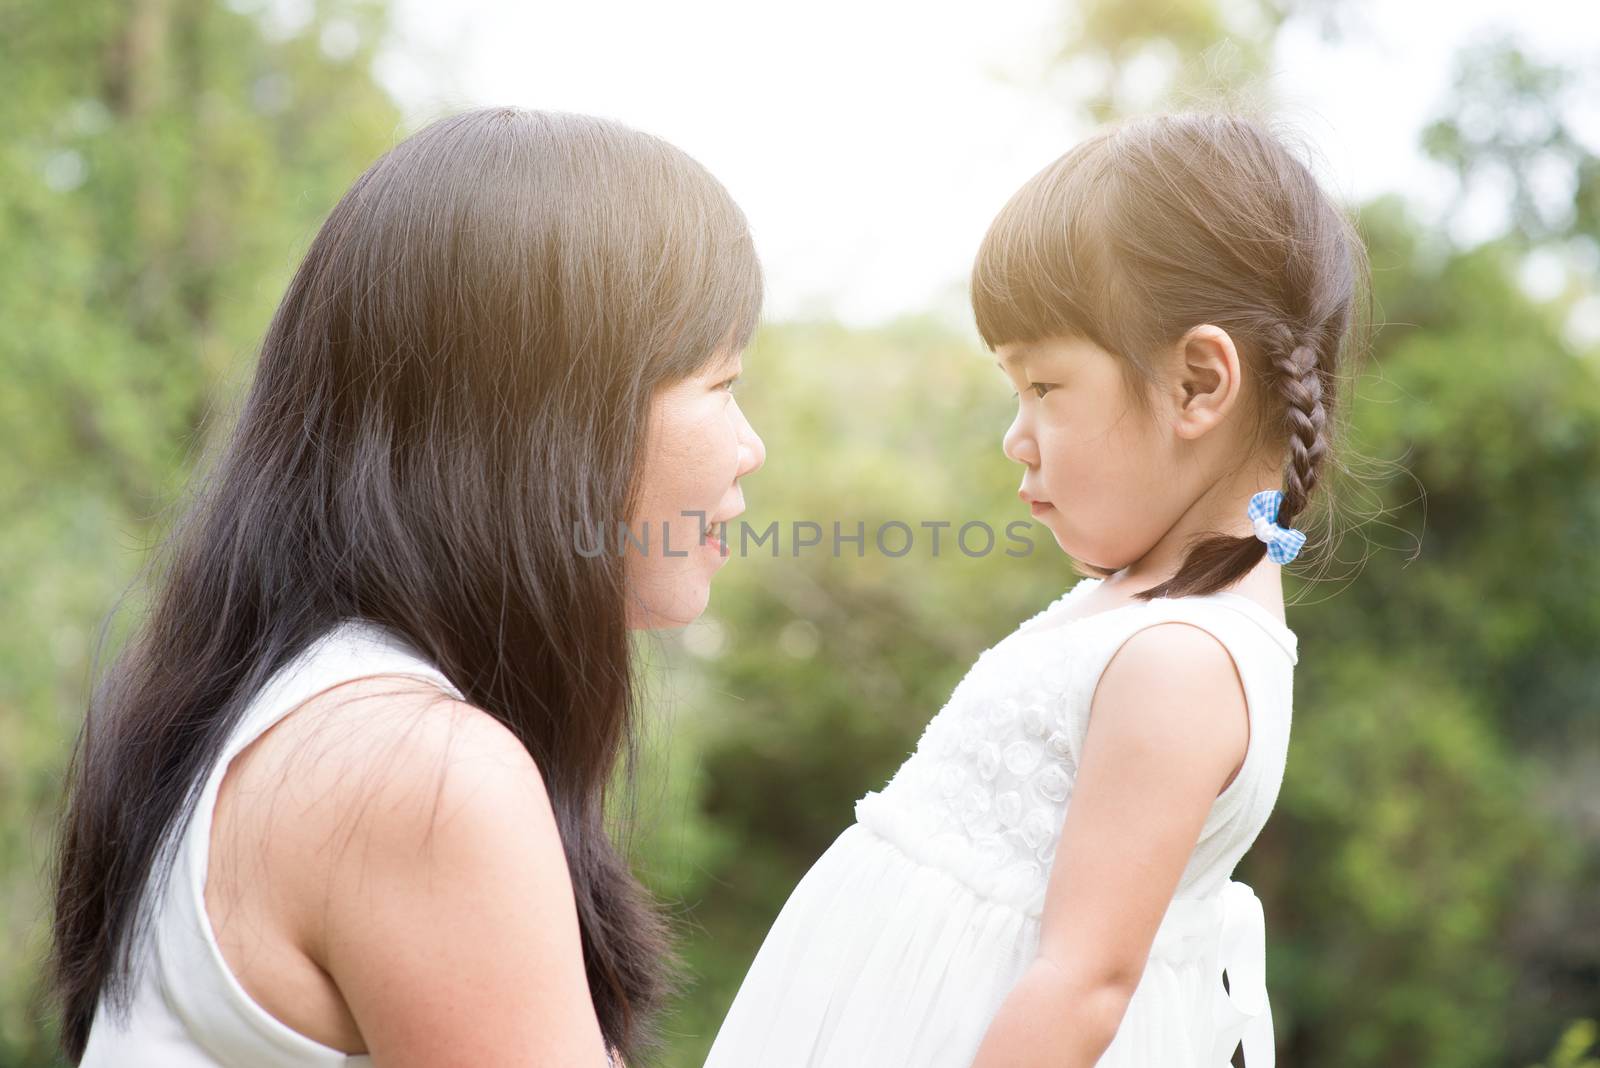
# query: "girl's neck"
[[1220, 510]]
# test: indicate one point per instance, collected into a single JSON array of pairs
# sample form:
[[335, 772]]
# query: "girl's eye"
[[727, 383], [1041, 388]]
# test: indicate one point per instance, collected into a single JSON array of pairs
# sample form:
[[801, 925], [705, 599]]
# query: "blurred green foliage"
[[163, 164], [1576, 1047], [1430, 875]]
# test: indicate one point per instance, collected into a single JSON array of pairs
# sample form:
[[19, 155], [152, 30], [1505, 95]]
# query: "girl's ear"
[[1206, 382]]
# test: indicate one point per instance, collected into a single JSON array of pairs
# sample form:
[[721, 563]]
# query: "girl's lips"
[[1039, 507]]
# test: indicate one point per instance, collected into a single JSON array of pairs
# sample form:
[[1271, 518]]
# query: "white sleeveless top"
[[901, 942], [189, 1010]]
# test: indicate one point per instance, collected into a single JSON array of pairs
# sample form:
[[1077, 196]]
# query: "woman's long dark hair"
[[458, 379]]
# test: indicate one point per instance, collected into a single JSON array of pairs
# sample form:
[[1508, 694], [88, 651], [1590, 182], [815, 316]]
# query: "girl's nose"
[[1019, 445]]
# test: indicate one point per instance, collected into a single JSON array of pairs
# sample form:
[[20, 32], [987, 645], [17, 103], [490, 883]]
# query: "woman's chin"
[[679, 609]]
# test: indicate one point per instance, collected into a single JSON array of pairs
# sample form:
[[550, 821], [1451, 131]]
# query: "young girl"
[[1047, 879]]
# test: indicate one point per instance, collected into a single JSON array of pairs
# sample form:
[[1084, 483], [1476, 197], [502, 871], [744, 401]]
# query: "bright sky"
[[871, 141]]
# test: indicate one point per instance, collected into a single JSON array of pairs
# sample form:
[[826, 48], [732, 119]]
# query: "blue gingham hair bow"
[[1282, 544]]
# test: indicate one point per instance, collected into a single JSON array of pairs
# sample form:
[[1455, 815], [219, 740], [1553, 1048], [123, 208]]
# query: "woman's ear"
[[1207, 380]]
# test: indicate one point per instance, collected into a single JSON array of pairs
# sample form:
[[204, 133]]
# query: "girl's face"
[[1101, 476], [698, 447]]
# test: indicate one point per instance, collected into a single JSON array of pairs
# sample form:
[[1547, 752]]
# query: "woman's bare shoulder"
[[345, 779], [389, 761], [377, 765], [414, 838]]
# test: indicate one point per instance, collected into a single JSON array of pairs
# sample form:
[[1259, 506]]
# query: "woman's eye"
[[1041, 388], [727, 383]]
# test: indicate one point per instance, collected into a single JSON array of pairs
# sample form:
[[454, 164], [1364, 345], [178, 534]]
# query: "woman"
[[341, 795]]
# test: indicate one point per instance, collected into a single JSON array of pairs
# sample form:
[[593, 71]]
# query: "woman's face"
[[698, 447]]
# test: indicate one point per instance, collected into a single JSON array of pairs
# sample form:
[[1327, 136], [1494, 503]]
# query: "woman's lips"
[[1039, 507], [713, 539]]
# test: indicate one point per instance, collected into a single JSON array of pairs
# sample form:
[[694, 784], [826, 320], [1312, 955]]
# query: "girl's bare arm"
[[1168, 727]]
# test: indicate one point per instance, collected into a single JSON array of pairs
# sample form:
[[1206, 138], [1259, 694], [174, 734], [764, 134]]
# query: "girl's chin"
[[1061, 543]]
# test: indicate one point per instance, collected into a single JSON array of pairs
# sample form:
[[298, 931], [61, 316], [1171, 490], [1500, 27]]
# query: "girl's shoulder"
[[1075, 616]]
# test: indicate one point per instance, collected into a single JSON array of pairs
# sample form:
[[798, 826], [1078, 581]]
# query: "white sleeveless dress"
[[899, 945], [189, 1010]]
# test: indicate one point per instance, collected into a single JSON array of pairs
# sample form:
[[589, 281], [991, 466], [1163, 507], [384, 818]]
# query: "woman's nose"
[[752, 451]]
